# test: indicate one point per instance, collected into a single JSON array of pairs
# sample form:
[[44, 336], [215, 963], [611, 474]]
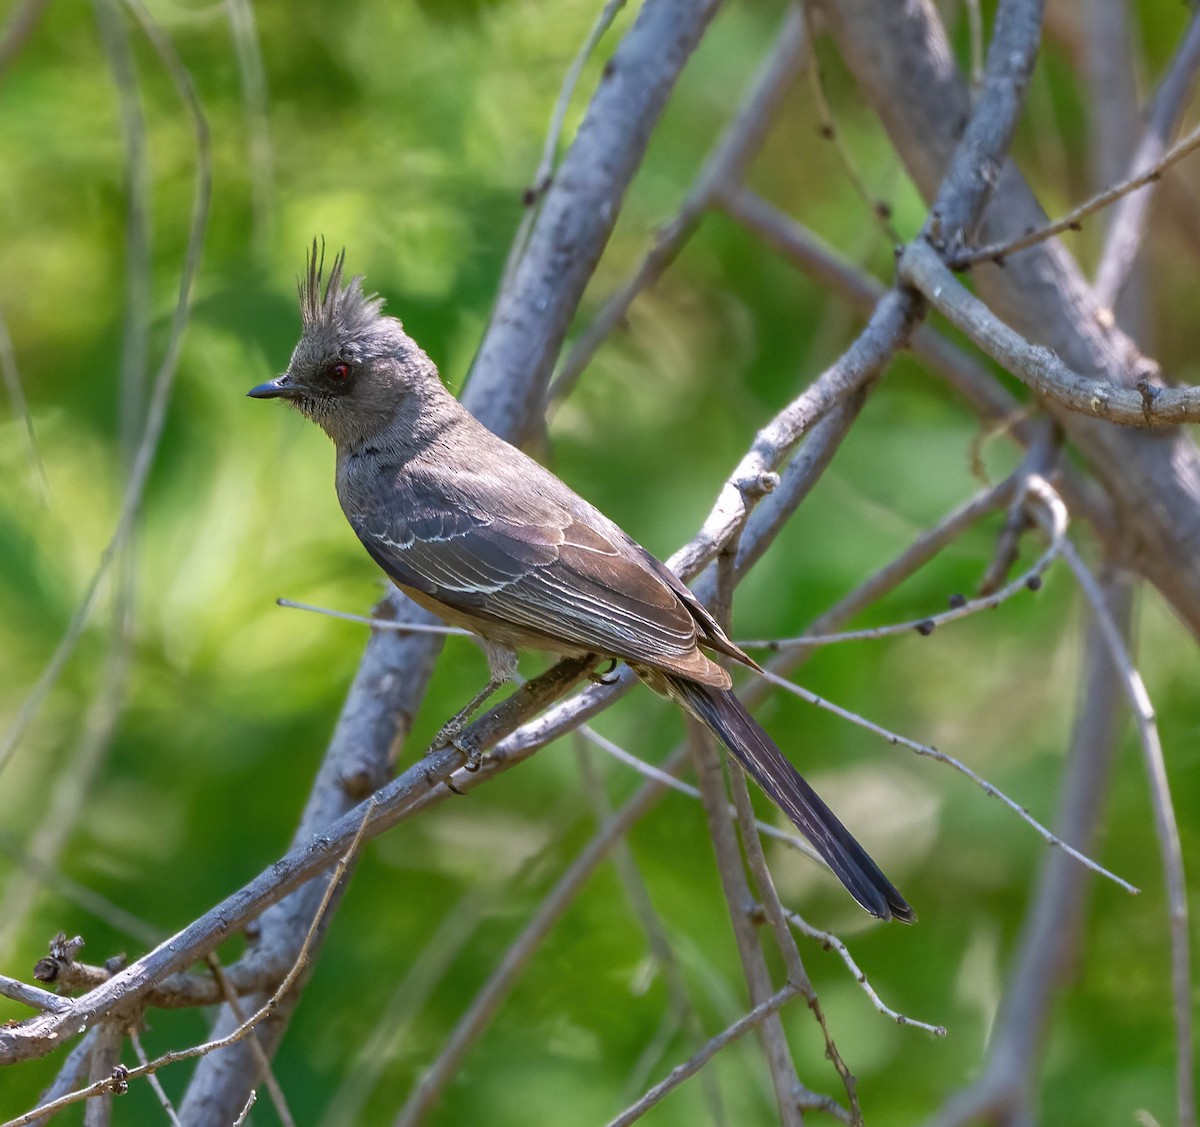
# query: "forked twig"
[[1073, 220], [101, 1087]]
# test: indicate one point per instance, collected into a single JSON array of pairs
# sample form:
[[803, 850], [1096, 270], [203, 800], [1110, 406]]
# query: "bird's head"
[[353, 368]]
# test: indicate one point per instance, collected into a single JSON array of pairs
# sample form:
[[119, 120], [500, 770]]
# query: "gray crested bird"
[[471, 528]]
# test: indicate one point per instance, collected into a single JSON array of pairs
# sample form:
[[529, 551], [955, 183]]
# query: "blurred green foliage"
[[407, 133]]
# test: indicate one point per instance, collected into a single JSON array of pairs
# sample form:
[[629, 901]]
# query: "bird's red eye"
[[339, 373]]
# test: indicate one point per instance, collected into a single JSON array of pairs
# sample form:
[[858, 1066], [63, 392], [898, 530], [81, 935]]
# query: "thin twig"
[[274, 1088], [83, 897], [244, 1114], [254, 98], [1166, 827], [488, 999], [73, 1069], [33, 996], [1125, 233], [1027, 581], [1073, 220], [542, 177], [738, 900], [1051, 934], [19, 25], [881, 212], [424, 974], [155, 1084], [738, 891], [836, 273], [832, 943], [990, 789], [164, 383], [649, 771], [377, 623], [679, 1013], [20, 407], [243, 1030], [688, 1069], [725, 167]]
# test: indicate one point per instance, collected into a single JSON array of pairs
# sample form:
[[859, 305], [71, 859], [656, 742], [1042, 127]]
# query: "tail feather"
[[757, 754]]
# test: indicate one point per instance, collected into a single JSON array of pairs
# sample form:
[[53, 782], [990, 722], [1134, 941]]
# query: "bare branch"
[[488, 999], [1073, 219], [1053, 923], [725, 167], [1129, 219], [886, 331], [254, 96], [542, 177], [11, 375], [739, 1028], [33, 996], [975, 167], [1165, 826], [164, 382], [738, 898], [399, 627], [1149, 405], [19, 25], [1029, 580], [862, 292], [577, 216], [879, 210], [831, 942], [102, 1086]]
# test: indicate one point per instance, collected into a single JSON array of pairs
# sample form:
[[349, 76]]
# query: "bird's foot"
[[454, 734], [607, 677]]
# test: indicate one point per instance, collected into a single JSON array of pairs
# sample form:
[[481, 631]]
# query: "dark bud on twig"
[[956, 601], [62, 955], [1034, 582], [46, 969], [825, 130], [925, 628]]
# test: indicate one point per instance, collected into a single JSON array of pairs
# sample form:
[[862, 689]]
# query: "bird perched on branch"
[[474, 530]]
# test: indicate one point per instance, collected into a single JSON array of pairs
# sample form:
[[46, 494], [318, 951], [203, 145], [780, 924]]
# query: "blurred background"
[[160, 775]]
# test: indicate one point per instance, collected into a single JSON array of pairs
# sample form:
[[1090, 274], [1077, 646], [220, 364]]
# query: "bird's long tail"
[[756, 752]]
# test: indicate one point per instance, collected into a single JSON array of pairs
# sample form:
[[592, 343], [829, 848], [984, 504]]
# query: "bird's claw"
[[470, 751], [607, 677]]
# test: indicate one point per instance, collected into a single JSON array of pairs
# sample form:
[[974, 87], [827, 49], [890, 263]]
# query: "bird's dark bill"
[[278, 388]]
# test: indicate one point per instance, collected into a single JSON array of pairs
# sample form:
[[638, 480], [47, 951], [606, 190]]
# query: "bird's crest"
[[347, 310]]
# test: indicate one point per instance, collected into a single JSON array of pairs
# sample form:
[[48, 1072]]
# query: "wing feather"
[[552, 564]]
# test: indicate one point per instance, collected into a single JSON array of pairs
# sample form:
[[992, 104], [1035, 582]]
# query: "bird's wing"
[[546, 563]]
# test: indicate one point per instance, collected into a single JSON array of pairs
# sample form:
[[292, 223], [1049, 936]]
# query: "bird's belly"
[[519, 637]]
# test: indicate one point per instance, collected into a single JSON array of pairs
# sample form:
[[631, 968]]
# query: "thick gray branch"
[[900, 57], [532, 316]]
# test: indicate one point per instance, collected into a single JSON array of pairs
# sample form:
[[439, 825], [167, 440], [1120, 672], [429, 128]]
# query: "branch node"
[[118, 1082], [757, 485]]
